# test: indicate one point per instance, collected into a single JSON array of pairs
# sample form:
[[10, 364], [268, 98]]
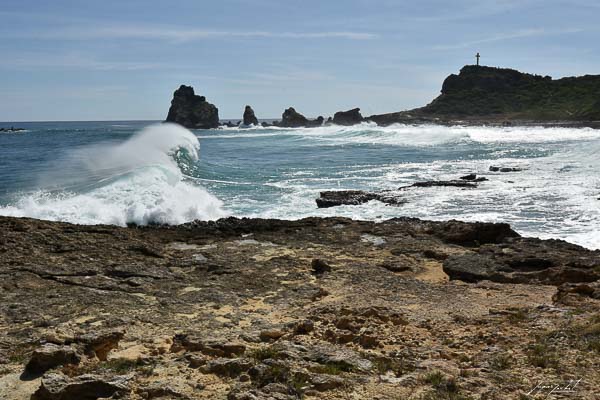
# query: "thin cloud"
[[507, 36], [182, 35]]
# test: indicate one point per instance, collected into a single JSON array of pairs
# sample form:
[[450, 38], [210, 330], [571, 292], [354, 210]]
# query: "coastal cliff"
[[488, 94], [316, 308]]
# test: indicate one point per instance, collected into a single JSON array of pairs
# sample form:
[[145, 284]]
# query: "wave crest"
[[141, 181]]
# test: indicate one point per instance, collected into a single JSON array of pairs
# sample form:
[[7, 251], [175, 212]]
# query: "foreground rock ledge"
[[238, 309]]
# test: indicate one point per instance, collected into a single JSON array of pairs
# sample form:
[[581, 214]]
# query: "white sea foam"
[[139, 181], [414, 135]]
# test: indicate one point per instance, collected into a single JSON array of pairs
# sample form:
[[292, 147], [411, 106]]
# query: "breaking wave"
[[141, 181]]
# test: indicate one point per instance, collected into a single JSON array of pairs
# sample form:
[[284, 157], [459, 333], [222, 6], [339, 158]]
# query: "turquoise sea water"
[[144, 172]]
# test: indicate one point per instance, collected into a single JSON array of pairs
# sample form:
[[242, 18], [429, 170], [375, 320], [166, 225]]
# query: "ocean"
[[145, 172]]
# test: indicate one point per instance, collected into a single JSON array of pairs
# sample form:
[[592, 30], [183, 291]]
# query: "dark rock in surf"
[[192, 111], [293, 119], [473, 178], [354, 197], [504, 169], [249, 117], [347, 118], [453, 183]]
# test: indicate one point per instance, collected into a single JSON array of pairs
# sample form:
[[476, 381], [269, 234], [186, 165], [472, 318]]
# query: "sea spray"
[[141, 181]]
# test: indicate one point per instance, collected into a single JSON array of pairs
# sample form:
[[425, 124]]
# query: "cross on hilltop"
[[477, 56]]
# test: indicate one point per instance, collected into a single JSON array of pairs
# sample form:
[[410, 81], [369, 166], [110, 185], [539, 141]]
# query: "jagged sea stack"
[[192, 111], [293, 119], [347, 118], [249, 117]]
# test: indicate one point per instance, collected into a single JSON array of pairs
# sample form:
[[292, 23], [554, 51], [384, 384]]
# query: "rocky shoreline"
[[478, 95], [324, 308]]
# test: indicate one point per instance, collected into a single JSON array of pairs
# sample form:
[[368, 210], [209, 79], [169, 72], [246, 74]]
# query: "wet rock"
[[348, 118], [249, 117], [428, 184], [230, 367], [473, 178], [84, 387], [192, 111], [504, 169], [355, 197], [50, 356], [319, 266], [526, 260]]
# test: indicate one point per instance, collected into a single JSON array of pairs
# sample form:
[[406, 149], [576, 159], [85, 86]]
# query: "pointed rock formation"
[[249, 117], [192, 111]]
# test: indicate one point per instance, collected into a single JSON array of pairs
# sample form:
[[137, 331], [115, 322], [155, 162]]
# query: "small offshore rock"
[[504, 169], [249, 116], [348, 118]]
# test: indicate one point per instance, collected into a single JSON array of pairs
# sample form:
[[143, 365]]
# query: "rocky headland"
[[323, 308], [477, 95]]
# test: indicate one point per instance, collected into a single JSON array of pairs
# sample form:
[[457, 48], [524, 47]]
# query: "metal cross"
[[478, 58]]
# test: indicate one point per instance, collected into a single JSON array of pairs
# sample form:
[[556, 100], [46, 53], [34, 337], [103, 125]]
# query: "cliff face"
[[479, 91], [192, 111]]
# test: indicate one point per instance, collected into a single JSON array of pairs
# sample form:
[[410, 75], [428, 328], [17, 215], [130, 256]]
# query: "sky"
[[122, 59]]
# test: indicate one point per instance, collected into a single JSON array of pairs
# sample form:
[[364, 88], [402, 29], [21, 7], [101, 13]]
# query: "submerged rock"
[[453, 183], [504, 169], [249, 117], [354, 197], [347, 118], [192, 111]]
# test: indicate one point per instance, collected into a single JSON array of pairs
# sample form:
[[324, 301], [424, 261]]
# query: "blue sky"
[[115, 60]]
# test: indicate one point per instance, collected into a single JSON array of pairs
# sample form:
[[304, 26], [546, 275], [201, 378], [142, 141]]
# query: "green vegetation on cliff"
[[479, 91]]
